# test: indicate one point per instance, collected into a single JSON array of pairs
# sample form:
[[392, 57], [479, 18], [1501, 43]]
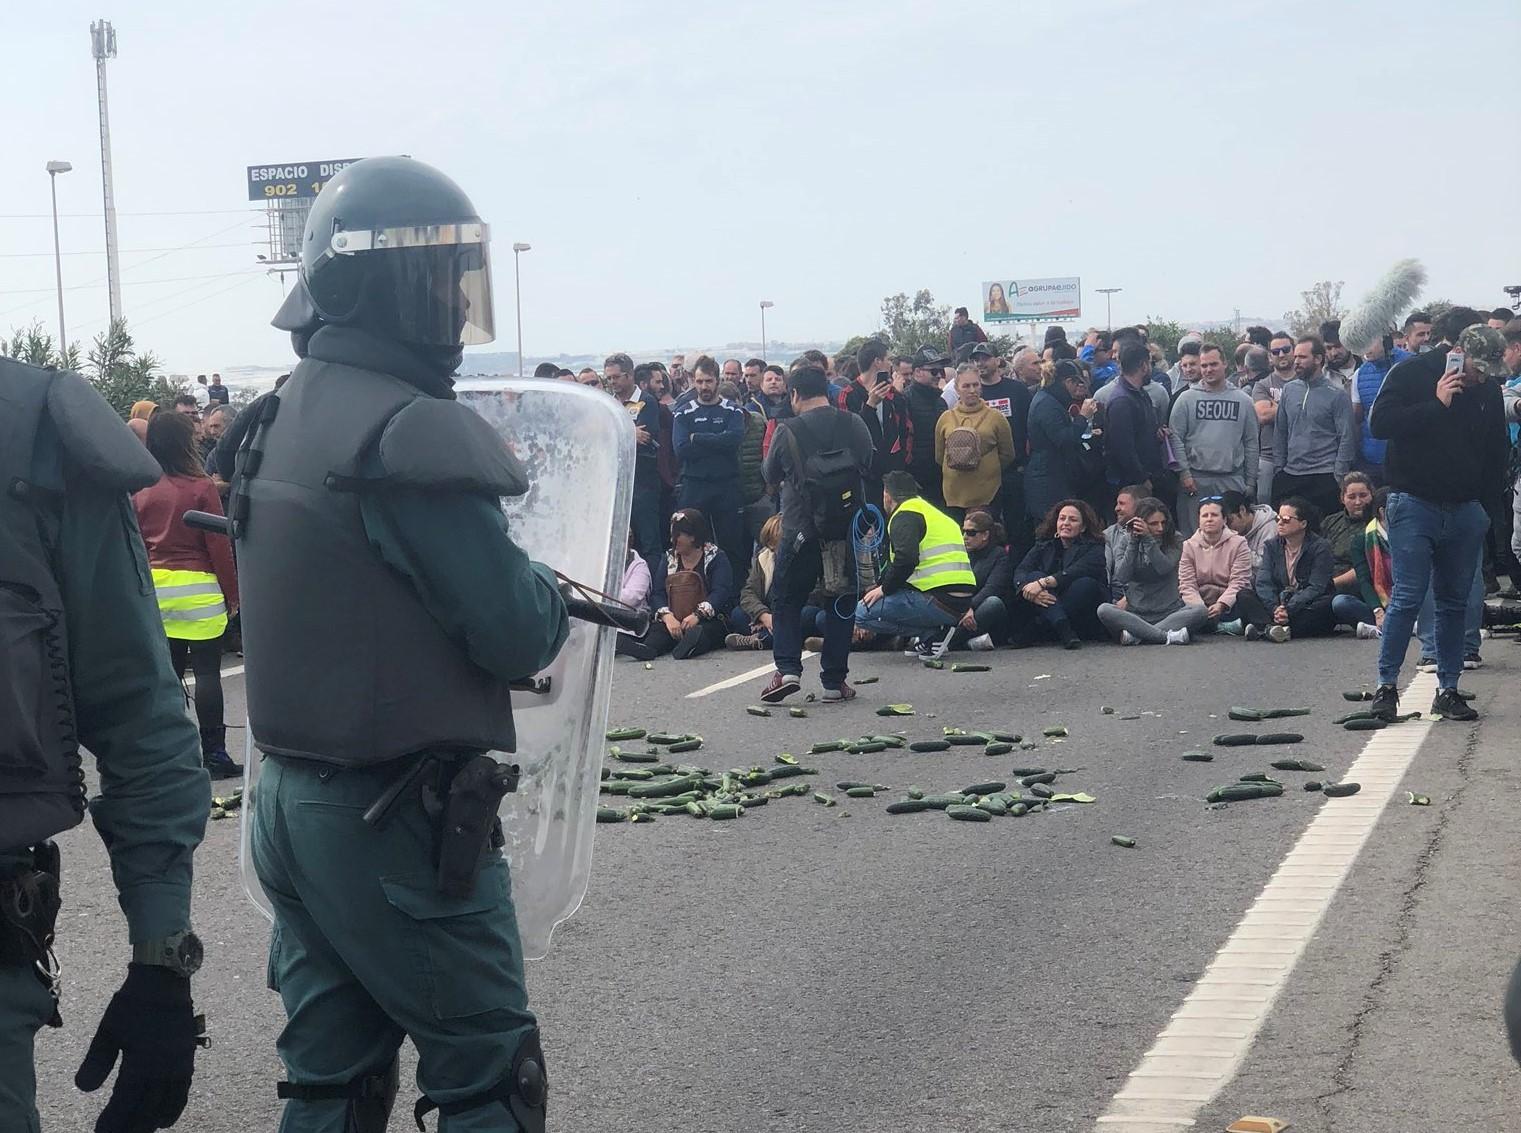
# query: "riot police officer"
[[386, 612], [83, 661]]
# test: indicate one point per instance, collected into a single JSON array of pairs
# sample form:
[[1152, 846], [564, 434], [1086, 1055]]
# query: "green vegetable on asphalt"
[[867, 680], [1312, 784], [1340, 790], [754, 800], [1243, 792], [847, 784], [929, 745], [998, 748], [896, 710], [967, 739], [789, 760], [890, 740], [1295, 765], [1123, 842], [1019, 810], [1235, 739], [1362, 714], [908, 806], [757, 710], [826, 800], [964, 813], [1038, 777], [1077, 797], [966, 668], [1020, 772], [664, 738], [862, 792], [940, 802], [1267, 738], [826, 746], [610, 814], [1041, 791], [1361, 694], [685, 745], [634, 756], [670, 787], [868, 747], [1054, 730], [635, 773], [1006, 737], [1239, 713], [935, 663], [797, 713], [1106, 710], [616, 787], [1197, 757], [1417, 800], [993, 806], [1258, 777], [915, 793], [625, 733], [725, 810], [984, 788], [641, 816], [1368, 725]]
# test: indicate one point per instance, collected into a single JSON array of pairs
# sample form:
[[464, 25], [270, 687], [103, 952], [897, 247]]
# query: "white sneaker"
[[982, 643], [1367, 631], [1177, 637], [1128, 638], [1279, 634], [1253, 633], [1426, 665]]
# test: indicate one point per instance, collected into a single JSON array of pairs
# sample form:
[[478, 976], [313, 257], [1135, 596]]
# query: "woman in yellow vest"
[[928, 582], [193, 575]]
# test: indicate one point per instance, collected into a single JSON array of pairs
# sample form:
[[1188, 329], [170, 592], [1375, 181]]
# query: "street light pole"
[[764, 303], [1107, 293], [54, 169], [517, 295]]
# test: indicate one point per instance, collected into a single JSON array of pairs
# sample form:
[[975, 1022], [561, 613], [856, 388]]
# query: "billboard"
[[292, 180], [1032, 300]]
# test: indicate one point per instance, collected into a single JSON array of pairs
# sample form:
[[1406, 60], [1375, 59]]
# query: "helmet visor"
[[432, 282]]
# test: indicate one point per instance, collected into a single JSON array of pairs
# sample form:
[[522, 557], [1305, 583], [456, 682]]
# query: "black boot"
[[214, 755]]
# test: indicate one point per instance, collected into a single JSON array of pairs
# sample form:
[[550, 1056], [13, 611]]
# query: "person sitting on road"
[[1152, 612], [1061, 581], [1375, 575], [1254, 522], [928, 582], [751, 619], [634, 589], [1344, 528], [986, 623], [1292, 586], [691, 583], [1124, 511], [1216, 567]]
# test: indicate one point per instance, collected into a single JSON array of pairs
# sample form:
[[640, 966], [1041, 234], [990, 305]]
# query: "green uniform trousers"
[[366, 950], [25, 1007]]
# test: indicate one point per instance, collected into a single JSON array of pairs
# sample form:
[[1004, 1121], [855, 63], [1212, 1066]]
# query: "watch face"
[[190, 954]]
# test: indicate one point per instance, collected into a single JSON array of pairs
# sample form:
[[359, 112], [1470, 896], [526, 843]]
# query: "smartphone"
[[1455, 361]]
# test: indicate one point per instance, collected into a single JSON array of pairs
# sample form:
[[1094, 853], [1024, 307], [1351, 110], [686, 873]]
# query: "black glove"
[[151, 1023]]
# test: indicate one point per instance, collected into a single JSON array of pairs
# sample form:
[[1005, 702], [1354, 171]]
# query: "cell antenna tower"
[[103, 46]]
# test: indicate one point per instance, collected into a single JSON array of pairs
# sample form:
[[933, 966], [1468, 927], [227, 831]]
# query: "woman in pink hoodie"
[[1215, 567]]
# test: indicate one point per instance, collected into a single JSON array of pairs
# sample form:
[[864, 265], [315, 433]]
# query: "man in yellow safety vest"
[[928, 582]]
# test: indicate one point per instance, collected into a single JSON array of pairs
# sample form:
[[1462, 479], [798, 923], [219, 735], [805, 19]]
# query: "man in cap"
[[925, 405], [1444, 418]]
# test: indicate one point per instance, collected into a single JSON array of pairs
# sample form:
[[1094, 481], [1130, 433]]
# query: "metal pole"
[[763, 334], [63, 341], [103, 42], [517, 295]]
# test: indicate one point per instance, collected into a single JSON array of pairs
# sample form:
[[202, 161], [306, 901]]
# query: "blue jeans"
[[1434, 547], [907, 613], [1473, 618]]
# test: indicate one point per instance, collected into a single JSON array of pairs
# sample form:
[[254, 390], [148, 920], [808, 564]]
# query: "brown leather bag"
[[685, 590]]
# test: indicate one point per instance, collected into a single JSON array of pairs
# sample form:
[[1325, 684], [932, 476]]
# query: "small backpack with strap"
[[963, 448]]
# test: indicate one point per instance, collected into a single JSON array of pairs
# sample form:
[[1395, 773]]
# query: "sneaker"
[[743, 641], [982, 643], [813, 644], [1253, 632], [1073, 642], [929, 649], [917, 647], [1280, 634], [220, 765], [1473, 661], [1367, 631], [1128, 638], [1450, 706], [1233, 627], [1177, 636], [838, 695], [1426, 665], [1386, 703], [780, 688]]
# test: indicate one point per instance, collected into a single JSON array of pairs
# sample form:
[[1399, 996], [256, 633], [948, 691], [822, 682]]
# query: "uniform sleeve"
[[130, 712], [504, 610]]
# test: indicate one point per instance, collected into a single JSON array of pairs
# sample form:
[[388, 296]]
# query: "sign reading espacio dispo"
[[1023, 300], [292, 180]]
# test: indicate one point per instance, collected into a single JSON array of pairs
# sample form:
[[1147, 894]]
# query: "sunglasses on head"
[[1211, 499]]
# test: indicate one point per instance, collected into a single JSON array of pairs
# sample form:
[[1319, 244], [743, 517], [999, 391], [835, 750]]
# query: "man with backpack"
[[819, 457]]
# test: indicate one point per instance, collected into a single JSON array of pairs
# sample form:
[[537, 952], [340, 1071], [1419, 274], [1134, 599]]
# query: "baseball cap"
[[928, 358], [1485, 348], [983, 350]]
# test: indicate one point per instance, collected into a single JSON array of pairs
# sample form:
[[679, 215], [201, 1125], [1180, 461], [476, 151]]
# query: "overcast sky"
[[673, 166]]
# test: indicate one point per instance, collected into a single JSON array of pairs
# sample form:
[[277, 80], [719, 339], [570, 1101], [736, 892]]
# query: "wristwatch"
[[180, 953]]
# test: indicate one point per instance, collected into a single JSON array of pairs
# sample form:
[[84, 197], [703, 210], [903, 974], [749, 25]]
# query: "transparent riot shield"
[[578, 450]]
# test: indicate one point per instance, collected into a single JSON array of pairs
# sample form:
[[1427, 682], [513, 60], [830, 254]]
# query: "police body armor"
[[52, 425]]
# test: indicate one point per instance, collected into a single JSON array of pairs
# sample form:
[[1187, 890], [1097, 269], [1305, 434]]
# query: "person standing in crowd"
[[692, 590], [1512, 361], [1363, 389], [186, 404], [1011, 398], [1061, 582], [1444, 418], [1099, 357], [1216, 566], [756, 506], [752, 371], [963, 332], [1417, 331], [732, 371], [200, 392], [644, 418], [750, 622], [772, 398], [1291, 595], [212, 427], [1184, 374], [1152, 611], [1132, 427], [1267, 393], [871, 397], [1214, 430], [1256, 523], [1341, 363], [88, 669], [986, 622], [925, 408], [927, 584], [216, 391], [547, 371], [706, 433], [973, 445], [1062, 461], [819, 457], [1313, 441], [193, 576]]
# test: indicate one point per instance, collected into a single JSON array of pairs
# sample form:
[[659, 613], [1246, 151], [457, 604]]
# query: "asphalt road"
[[831, 969]]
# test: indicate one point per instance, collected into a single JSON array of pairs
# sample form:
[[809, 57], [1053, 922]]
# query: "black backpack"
[[828, 477]]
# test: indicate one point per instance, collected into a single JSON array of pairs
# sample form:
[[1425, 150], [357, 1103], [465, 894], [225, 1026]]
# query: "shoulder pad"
[[96, 439], [443, 445]]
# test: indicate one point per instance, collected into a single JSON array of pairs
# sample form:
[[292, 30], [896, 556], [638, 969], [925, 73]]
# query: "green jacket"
[[752, 483]]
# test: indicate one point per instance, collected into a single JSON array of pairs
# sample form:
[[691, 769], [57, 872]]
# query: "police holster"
[[29, 904], [462, 801]]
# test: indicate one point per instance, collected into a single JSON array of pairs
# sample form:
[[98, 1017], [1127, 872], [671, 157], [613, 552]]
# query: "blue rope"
[[868, 533]]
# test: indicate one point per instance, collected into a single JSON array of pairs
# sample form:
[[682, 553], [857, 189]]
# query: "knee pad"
[[524, 1091], [370, 1097]]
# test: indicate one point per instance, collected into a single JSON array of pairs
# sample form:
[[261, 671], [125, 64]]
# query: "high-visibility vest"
[[191, 604], [943, 560]]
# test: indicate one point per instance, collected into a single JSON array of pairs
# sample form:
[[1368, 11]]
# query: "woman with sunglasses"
[[1293, 594], [986, 622], [1152, 612]]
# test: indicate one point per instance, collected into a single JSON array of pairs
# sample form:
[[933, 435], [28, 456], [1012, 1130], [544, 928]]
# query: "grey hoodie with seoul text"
[[1314, 433], [1215, 433]]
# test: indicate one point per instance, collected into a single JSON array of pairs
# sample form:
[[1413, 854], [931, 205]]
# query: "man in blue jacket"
[[706, 434], [1132, 438], [1379, 358]]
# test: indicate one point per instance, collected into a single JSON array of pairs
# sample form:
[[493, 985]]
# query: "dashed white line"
[[1203, 1046], [739, 680]]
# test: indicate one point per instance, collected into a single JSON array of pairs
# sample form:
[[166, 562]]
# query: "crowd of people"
[[1252, 492]]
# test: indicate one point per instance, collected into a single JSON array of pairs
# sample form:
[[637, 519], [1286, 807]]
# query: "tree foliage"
[[908, 324], [1320, 303], [35, 346], [123, 375], [1227, 338], [1165, 333]]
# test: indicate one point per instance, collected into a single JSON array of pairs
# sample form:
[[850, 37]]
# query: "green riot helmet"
[[393, 246]]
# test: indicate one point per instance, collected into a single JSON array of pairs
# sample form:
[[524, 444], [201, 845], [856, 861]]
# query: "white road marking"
[[739, 680], [1209, 1037]]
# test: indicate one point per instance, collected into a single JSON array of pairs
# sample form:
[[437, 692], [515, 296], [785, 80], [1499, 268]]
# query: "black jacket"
[[1055, 471], [925, 405], [891, 429], [1312, 574], [1131, 449], [1447, 455], [1084, 558], [1011, 397], [995, 573]]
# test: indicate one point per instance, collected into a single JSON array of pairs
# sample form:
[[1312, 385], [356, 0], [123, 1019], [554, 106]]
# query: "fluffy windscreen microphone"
[[1392, 296]]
